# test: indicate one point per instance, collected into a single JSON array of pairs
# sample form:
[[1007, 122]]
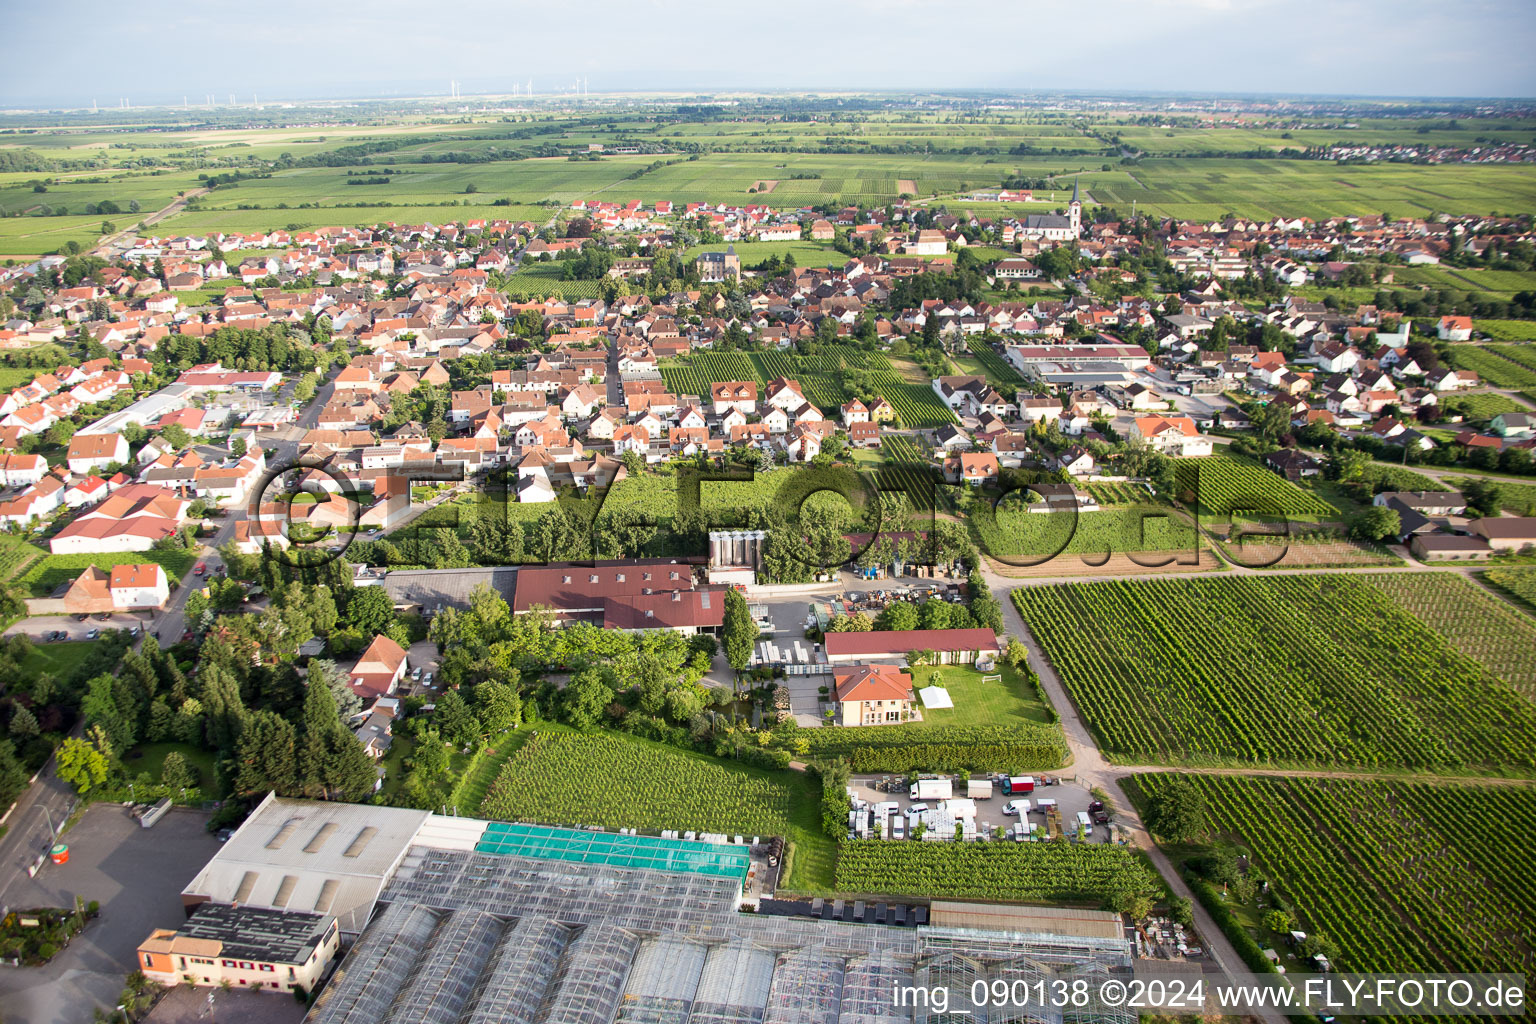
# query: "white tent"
[[935, 697]]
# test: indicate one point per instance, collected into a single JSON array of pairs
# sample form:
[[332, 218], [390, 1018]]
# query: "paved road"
[[175, 206], [32, 824]]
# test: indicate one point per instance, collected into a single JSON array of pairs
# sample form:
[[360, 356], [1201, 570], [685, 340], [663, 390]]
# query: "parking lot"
[[137, 875], [422, 656], [1070, 798], [39, 626]]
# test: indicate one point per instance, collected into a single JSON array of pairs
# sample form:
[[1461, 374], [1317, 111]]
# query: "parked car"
[[416, 673], [93, 634], [427, 679], [202, 567], [81, 618]]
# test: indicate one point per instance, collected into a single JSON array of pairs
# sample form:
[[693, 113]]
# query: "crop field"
[[1012, 747], [1518, 580], [1010, 534], [1000, 373], [561, 778], [1055, 872], [1491, 367], [910, 472], [1116, 493], [1401, 876], [1507, 330], [16, 555], [543, 281], [821, 377], [1208, 188], [1525, 355], [1219, 486], [1482, 627], [1319, 670], [1483, 407], [1307, 552], [806, 254]]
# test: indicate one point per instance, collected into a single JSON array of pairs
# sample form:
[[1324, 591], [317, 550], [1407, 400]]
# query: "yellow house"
[[881, 411], [873, 695]]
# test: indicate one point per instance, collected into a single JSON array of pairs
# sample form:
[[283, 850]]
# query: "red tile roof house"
[[952, 646], [379, 668], [89, 452], [630, 594], [873, 695]]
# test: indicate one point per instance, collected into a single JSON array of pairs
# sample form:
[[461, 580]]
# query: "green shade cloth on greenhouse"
[[677, 855]]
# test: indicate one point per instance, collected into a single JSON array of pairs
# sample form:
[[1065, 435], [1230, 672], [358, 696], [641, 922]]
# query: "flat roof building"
[[248, 947]]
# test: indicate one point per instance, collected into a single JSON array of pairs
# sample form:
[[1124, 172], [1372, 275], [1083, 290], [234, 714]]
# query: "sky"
[[285, 50]]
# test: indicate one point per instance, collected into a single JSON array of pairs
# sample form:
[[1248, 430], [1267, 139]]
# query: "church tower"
[[1075, 212]]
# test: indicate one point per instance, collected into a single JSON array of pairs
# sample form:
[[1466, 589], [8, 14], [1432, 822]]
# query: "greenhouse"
[[578, 936]]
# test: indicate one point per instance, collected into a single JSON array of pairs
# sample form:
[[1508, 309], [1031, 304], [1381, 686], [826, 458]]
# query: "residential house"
[[873, 695]]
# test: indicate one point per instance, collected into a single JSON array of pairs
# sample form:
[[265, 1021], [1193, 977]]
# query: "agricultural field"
[[542, 280], [1516, 580], [1507, 330], [1525, 355], [1478, 625], [1119, 493], [1401, 876], [563, 778], [1056, 872], [820, 375], [1493, 368], [1487, 406], [1000, 373], [1307, 551], [806, 254], [1013, 747], [1015, 536], [16, 555], [1219, 486], [1205, 189], [1320, 670]]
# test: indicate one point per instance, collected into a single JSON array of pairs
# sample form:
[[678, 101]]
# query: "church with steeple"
[[1053, 227]]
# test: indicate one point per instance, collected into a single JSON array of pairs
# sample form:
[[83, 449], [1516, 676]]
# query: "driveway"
[[137, 875], [187, 1004], [423, 655]]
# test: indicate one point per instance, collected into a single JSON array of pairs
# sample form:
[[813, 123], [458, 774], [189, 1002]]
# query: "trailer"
[[933, 789], [1019, 784], [978, 789]]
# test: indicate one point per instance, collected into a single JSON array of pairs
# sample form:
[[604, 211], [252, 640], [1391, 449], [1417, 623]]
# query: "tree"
[[454, 720], [1277, 921], [23, 723], [898, 615], [1178, 812], [498, 707], [177, 435], [1376, 523], [13, 777], [176, 772], [370, 611], [584, 699], [81, 765], [61, 432], [1482, 495], [739, 631], [323, 670], [265, 758]]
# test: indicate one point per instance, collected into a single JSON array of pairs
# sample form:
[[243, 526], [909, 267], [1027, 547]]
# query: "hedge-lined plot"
[[1401, 876], [1318, 670]]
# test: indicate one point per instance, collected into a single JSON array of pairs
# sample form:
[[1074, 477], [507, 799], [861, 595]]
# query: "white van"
[[1084, 824], [1019, 807]]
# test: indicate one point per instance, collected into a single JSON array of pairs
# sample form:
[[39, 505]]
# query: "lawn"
[[55, 659], [979, 703], [48, 574], [1321, 670], [150, 757], [563, 777]]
